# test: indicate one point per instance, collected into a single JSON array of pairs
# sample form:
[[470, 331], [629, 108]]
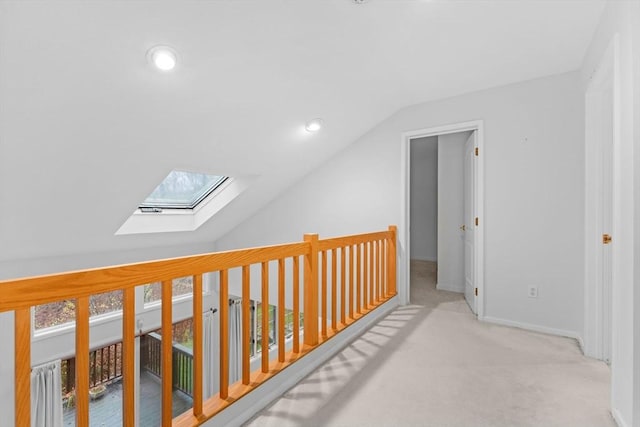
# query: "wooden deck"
[[107, 411]]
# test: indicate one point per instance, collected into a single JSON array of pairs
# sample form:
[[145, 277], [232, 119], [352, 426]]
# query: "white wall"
[[534, 176], [424, 198], [623, 18], [451, 211]]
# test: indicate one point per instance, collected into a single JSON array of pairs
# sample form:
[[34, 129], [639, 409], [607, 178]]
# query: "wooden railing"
[[344, 278]]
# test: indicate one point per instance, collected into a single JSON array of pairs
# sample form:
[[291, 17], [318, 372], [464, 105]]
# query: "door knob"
[[606, 239], [463, 227]]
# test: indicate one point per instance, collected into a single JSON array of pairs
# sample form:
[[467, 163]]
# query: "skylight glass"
[[182, 190]]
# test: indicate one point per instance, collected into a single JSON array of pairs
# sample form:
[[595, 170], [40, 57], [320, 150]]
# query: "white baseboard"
[[450, 287], [430, 259], [249, 405], [534, 328], [618, 418]]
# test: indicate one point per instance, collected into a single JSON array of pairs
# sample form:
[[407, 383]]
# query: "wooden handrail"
[[331, 302], [32, 291]]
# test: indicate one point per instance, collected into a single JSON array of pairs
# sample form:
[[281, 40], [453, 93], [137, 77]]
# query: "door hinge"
[[476, 151], [476, 221], [476, 291], [606, 239]]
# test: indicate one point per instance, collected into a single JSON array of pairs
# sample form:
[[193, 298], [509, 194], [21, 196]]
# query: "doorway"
[[468, 219], [600, 204], [442, 211]]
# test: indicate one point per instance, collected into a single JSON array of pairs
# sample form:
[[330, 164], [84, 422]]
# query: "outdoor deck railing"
[[182, 369], [182, 357], [362, 276], [104, 367]]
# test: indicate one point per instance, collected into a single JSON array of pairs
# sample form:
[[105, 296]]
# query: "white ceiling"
[[88, 128]]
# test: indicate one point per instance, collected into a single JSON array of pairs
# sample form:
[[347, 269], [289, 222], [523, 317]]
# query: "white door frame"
[[404, 234], [594, 296]]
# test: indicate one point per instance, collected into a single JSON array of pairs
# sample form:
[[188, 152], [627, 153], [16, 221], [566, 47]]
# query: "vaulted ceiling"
[[88, 128]]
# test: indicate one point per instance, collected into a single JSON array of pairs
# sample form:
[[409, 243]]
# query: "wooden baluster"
[[342, 284], [265, 317], [392, 260], [358, 278], [323, 292], [366, 279], [311, 291], [224, 334], [246, 324], [296, 304], [82, 362], [71, 374], [128, 357], [372, 286], [385, 275], [22, 364], [92, 368], [334, 288], [351, 281], [167, 353], [379, 265], [281, 310], [372, 272], [198, 358], [113, 370]]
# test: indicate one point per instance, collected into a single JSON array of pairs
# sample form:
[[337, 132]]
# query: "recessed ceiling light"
[[314, 125], [163, 57]]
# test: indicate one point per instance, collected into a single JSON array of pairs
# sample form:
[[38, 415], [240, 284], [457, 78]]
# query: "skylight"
[[181, 190]]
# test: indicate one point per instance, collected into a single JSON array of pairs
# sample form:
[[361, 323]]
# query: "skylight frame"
[[203, 195]]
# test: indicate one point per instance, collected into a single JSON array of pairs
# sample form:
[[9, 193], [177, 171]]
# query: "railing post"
[[167, 353], [246, 324], [311, 291], [82, 362], [128, 357], [391, 260], [224, 334], [197, 346], [22, 354]]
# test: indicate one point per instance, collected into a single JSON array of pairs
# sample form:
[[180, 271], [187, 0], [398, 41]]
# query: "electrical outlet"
[[533, 292]]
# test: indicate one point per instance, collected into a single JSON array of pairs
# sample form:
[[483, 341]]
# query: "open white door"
[[469, 222], [606, 137], [607, 227], [601, 139]]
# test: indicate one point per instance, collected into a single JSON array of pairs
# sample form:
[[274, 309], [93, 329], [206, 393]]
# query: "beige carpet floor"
[[433, 364]]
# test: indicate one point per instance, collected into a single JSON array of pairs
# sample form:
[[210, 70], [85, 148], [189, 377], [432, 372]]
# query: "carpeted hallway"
[[433, 364]]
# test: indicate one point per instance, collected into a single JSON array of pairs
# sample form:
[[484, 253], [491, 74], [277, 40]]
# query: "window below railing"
[[61, 313], [181, 286]]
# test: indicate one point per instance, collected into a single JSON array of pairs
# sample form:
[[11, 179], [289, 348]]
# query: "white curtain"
[[235, 340], [210, 344], [46, 395]]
